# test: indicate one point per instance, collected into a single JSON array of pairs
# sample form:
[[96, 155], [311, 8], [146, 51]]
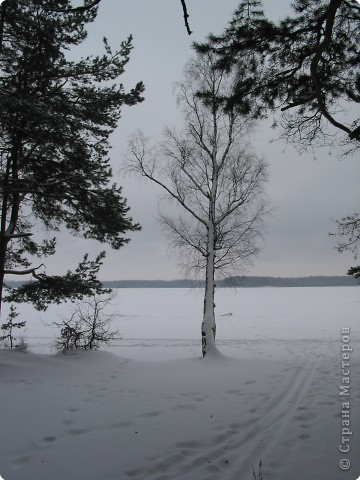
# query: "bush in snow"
[[88, 327]]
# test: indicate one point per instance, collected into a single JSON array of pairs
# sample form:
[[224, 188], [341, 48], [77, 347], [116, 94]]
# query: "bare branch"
[[348, 232], [186, 16], [145, 164]]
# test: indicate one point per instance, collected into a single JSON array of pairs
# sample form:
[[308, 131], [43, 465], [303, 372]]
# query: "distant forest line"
[[230, 282], [241, 282]]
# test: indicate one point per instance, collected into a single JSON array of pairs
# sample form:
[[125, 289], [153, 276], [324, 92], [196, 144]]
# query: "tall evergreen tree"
[[56, 116]]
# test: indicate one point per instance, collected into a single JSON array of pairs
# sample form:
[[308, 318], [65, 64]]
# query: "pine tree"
[[56, 116], [8, 329]]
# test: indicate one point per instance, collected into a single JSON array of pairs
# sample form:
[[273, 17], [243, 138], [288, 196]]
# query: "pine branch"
[[18, 235], [84, 8], [299, 101], [334, 5], [23, 272]]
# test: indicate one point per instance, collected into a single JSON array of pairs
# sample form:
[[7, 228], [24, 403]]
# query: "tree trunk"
[[2, 267], [4, 240], [9, 208], [208, 326]]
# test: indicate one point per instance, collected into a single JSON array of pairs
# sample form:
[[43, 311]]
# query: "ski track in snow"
[[244, 443]]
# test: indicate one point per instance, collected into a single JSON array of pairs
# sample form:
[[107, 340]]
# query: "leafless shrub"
[[88, 326]]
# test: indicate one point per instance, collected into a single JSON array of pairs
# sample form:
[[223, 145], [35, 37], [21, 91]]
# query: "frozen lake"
[[165, 323]]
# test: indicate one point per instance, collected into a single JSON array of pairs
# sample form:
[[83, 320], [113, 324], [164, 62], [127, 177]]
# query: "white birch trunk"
[[208, 326]]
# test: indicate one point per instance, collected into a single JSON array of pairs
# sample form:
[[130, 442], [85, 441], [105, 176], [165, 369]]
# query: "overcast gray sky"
[[307, 194]]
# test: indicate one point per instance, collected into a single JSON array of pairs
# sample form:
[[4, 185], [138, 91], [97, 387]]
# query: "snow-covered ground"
[[148, 408]]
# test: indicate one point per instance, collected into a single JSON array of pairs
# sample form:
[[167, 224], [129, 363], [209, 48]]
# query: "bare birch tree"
[[210, 171]]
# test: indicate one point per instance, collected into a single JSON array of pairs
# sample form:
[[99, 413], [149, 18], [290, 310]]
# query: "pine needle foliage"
[[307, 66]]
